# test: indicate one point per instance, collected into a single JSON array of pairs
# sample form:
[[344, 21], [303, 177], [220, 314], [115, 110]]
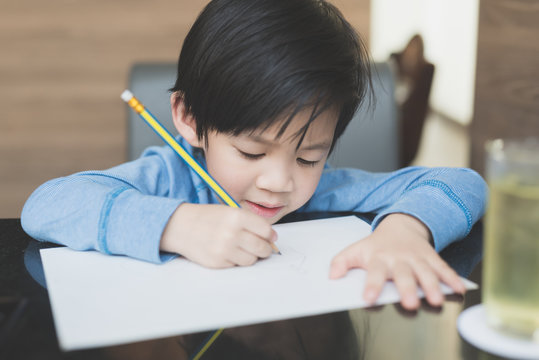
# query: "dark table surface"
[[386, 332]]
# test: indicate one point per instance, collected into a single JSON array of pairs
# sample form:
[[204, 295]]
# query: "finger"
[[406, 284], [254, 245], [429, 282], [406, 313], [241, 258], [447, 275], [345, 260], [215, 263], [377, 275], [258, 226]]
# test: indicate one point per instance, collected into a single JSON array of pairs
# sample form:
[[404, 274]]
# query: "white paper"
[[100, 300]]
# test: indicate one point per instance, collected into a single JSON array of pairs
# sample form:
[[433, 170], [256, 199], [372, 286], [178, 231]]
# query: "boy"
[[264, 90]]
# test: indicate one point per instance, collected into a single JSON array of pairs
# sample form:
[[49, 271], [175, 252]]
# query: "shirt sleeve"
[[121, 211], [447, 200]]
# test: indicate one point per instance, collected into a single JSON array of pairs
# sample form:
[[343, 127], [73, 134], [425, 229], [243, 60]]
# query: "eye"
[[250, 156], [307, 162]]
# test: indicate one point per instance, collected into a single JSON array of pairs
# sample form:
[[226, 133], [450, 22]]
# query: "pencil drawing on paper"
[[290, 258]]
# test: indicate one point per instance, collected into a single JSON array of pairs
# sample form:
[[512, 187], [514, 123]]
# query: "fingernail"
[[370, 296], [274, 236], [411, 300]]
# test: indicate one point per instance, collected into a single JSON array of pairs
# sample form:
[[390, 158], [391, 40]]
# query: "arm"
[[447, 200], [122, 210], [139, 208]]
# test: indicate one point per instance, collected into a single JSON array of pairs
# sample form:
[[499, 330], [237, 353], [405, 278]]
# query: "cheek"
[[228, 173], [307, 184]]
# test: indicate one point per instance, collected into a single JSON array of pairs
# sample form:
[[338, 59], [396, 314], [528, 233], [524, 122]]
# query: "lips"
[[266, 210]]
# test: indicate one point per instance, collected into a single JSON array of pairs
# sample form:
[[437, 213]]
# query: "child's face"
[[269, 176]]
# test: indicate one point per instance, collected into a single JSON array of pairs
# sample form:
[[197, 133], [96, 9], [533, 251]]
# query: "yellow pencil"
[[134, 103]]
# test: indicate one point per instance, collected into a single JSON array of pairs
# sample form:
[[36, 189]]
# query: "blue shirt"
[[124, 210]]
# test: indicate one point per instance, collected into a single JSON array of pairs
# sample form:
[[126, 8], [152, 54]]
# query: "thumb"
[[345, 260], [337, 269]]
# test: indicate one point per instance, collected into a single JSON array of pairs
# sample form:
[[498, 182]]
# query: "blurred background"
[[64, 64]]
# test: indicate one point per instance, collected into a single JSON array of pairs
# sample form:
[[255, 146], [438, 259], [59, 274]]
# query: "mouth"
[[264, 210]]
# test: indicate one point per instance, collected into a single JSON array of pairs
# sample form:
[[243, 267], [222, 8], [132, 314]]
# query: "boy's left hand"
[[399, 249]]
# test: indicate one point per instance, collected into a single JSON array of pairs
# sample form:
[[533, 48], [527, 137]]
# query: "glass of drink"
[[511, 248]]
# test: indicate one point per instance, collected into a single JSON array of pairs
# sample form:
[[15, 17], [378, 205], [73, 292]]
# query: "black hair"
[[246, 64]]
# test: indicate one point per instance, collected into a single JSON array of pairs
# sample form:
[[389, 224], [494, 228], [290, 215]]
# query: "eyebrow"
[[318, 146]]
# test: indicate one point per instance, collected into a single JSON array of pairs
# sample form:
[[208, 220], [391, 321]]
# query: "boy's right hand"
[[217, 236]]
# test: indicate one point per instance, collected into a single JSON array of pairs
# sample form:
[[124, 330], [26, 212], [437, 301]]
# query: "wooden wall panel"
[[507, 75], [63, 65]]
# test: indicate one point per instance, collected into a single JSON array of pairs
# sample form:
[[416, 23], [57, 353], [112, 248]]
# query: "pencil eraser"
[[127, 95]]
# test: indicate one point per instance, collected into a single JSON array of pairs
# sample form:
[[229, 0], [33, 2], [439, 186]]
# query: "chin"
[[278, 217]]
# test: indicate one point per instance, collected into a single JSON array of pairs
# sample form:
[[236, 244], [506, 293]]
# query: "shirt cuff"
[[131, 224], [438, 208]]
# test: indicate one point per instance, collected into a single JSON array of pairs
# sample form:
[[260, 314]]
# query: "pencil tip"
[[279, 253]]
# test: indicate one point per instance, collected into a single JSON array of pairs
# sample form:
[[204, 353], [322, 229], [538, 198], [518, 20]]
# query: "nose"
[[277, 178]]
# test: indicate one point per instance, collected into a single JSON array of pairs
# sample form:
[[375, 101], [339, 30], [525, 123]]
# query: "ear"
[[184, 122]]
